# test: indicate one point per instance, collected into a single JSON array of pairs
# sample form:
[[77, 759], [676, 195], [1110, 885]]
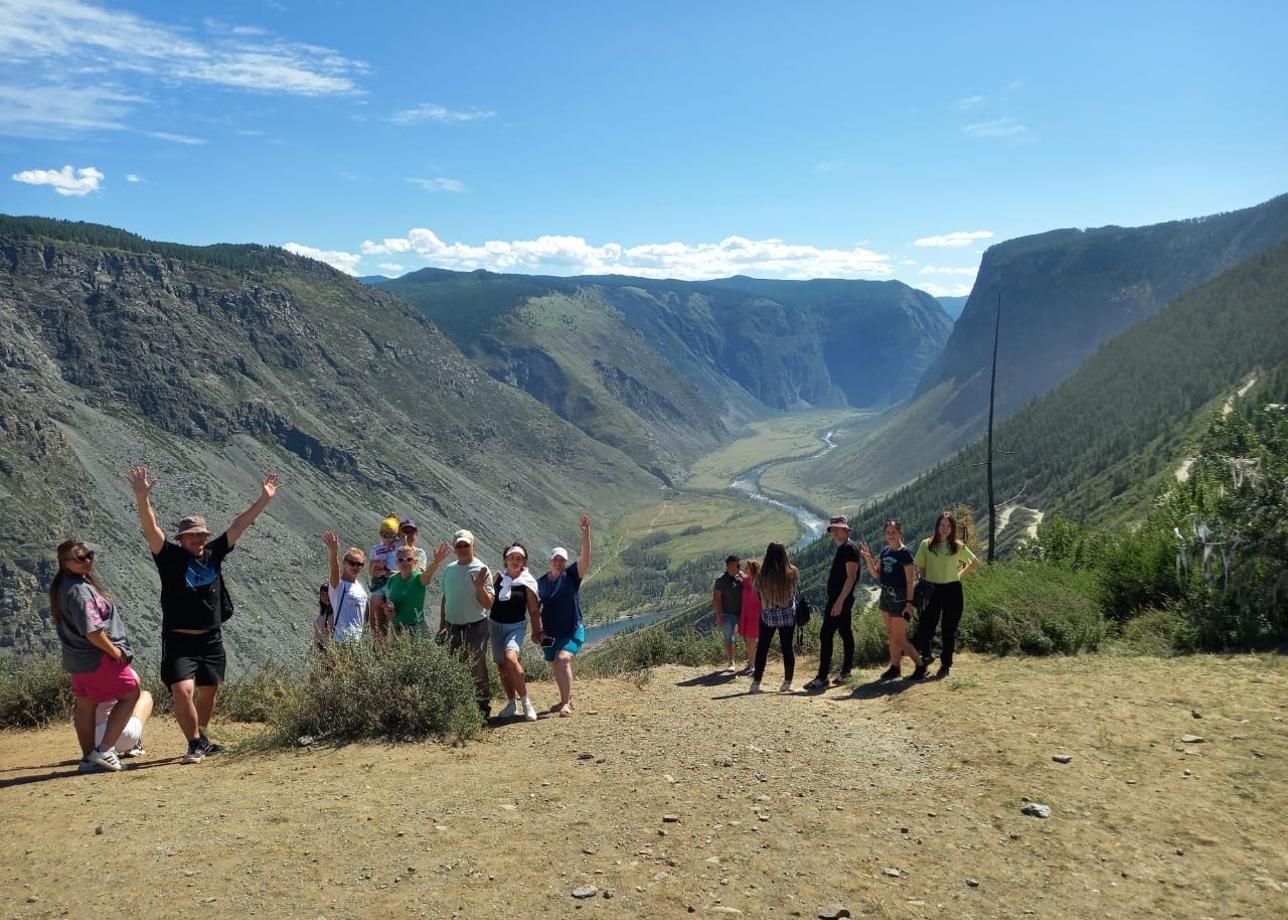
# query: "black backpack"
[[803, 611]]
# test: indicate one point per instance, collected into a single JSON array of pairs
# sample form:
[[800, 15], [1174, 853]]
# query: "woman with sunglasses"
[[517, 601], [95, 652], [405, 589], [347, 595], [894, 569]]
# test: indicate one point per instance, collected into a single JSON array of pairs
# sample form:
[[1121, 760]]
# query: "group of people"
[[761, 599], [478, 608]]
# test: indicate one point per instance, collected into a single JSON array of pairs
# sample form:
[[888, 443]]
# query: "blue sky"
[[666, 139]]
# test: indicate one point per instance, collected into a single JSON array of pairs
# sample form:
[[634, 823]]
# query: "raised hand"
[[269, 488], [137, 477], [864, 551], [585, 523], [480, 577], [442, 551], [331, 540]]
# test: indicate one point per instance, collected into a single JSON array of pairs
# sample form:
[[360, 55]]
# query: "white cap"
[[463, 536], [558, 552]]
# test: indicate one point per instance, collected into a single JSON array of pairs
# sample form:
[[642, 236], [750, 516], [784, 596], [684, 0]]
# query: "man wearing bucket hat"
[[194, 606], [842, 578]]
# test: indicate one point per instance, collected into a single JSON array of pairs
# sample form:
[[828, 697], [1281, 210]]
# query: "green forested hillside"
[[1094, 447], [1063, 293]]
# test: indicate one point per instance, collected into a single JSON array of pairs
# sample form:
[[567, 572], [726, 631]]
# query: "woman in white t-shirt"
[[348, 596], [130, 742]]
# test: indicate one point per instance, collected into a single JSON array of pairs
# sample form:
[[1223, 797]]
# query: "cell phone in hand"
[[547, 641]]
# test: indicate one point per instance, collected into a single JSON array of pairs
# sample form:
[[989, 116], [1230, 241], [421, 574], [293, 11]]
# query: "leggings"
[[945, 603], [762, 649]]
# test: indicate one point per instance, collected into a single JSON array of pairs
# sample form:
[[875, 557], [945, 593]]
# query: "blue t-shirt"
[[560, 603], [892, 562]]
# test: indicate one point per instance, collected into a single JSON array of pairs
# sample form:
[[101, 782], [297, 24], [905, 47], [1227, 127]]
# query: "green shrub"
[[1032, 608], [34, 694], [251, 699], [407, 689], [1137, 571], [653, 645], [1159, 631]]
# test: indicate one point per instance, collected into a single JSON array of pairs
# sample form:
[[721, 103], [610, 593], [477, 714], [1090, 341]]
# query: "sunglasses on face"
[[460, 546], [402, 559], [387, 534], [87, 556], [357, 562]]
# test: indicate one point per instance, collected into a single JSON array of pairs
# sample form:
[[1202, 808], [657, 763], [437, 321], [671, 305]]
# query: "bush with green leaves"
[[1032, 608], [34, 694], [408, 688]]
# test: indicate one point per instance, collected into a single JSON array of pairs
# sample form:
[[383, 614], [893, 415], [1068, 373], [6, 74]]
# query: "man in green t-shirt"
[[462, 615]]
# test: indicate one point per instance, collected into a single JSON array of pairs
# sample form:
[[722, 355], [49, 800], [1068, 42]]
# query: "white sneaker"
[[509, 712], [755, 687], [786, 687], [105, 760], [529, 711]]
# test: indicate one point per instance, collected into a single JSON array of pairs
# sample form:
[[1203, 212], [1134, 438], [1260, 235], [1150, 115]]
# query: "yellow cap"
[[389, 524]]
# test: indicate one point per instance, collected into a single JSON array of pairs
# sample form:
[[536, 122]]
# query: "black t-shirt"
[[891, 562], [192, 587], [509, 611], [730, 588], [846, 552]]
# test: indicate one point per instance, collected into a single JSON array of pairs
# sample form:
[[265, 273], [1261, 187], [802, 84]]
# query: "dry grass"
[[785, 804]]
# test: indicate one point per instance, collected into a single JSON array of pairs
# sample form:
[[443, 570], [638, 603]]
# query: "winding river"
[[747, 485]]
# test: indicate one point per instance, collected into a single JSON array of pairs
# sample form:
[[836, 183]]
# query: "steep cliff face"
[[684, 361], [214, 365]]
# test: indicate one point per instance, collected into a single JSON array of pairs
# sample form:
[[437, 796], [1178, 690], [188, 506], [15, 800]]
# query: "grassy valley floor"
[[894, 800]]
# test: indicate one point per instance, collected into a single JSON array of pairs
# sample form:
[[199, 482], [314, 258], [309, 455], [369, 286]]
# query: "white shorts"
[[131, 735]]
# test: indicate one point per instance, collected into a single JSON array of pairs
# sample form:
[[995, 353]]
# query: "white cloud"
[[940, 290], [132, 177], [66, 181], [998, 127], [177, 138], [391, 267], [430, 111], [968, 103], [956, 239], [45, 42], [440, 184], [573, 255], [944, 270], [346, 262]]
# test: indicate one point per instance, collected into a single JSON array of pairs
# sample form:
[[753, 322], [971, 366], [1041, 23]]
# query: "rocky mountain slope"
[[216, 364], [664, 368], [1063, 294]]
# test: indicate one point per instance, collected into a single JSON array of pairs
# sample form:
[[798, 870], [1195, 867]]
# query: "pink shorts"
[[111, 680]]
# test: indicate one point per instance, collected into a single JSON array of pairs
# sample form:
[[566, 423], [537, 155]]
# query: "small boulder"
[[1192, 739], [670, 819], [582, 892], [834, 912], [1062, 758], [1035, 810]]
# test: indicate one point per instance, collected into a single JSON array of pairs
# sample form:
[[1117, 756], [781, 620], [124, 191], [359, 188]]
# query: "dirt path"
[[900, 801]]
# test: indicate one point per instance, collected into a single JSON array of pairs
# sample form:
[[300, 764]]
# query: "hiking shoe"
[[918, 672], [510, 711], [842, 678], [136, 751], [890, 673], [196, 752], [529, 711], [85, 766], [817, 683], [786, 687], [105, 760], [755, 687], [209, 747]]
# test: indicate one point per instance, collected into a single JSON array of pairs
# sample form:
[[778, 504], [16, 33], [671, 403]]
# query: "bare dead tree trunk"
[[992, 395]]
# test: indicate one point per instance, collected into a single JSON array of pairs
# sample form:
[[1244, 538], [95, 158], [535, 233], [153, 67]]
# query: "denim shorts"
[[730, 627], [570, 644], [507, 637]]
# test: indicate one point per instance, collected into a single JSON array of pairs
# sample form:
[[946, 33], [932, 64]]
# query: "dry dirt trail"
[[898, 801]]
